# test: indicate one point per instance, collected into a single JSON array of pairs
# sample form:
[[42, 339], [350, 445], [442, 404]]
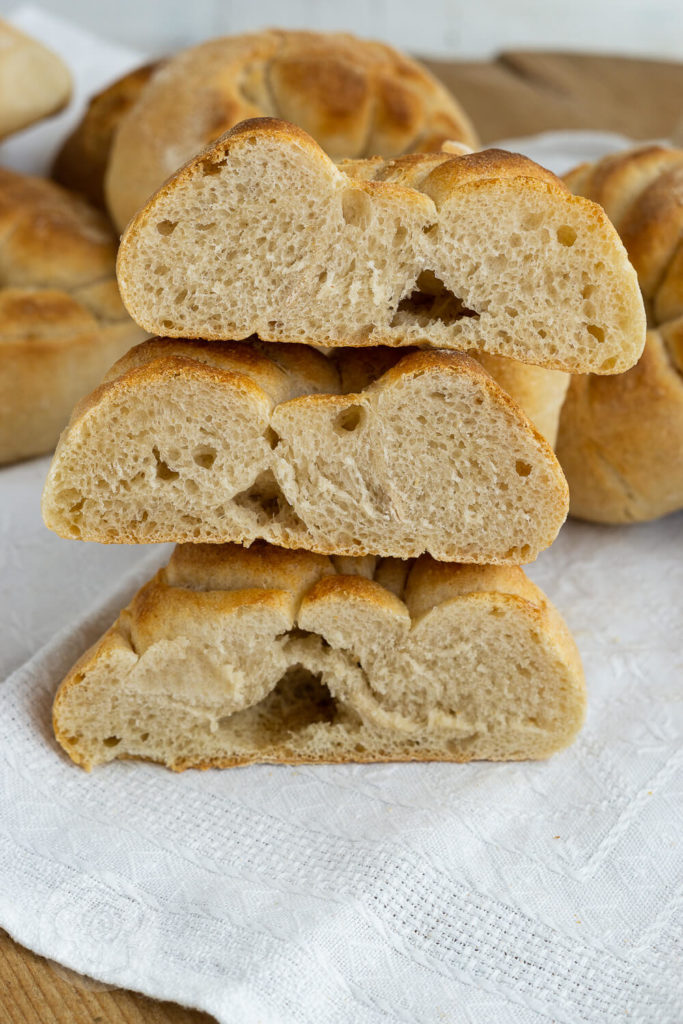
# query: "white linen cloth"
[[508, 893]]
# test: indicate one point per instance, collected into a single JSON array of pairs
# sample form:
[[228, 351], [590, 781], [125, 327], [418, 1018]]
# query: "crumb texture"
[[230, 656], [232, 442], [264, 234]]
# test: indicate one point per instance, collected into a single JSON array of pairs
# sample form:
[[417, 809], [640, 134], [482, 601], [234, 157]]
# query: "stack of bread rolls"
[[352, 494]]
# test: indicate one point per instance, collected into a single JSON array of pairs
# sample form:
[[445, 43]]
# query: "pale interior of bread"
[[231, 656], [264, 235], [204, 443]]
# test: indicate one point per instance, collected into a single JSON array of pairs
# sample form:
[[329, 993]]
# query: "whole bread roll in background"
[[355, 97], [232, 656], [620, 440], [34, 81], [62, 322]]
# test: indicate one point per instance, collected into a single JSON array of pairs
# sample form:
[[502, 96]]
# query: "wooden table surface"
[[519, 93]]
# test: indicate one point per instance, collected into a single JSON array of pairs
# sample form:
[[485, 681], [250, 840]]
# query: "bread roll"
[[228, 442], [540, 392], [621, 440], [230, 657], [61, 319], [356, 97], [34, 82], [487, 252], [81, 163]]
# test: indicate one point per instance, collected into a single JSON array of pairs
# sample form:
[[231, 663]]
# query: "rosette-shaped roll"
[[621, 438]]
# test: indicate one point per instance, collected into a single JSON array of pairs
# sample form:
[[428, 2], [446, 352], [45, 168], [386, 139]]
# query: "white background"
[[447, 28]]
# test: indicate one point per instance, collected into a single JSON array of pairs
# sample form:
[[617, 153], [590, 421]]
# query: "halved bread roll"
[[230, 656], [264, 234], [232, 442]]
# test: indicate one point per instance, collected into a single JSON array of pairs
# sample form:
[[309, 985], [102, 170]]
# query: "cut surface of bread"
[[621, 441], [264, 234], [230, 656], [356, 97], [540, 392], [34, 81], [62, 322], [376, 452]]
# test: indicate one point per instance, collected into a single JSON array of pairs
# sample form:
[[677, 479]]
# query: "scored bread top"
[[230, 442], [453, 662], [263, 233], [34, 81], [642, 191], [62, 321], [355, 97], [620, 439]]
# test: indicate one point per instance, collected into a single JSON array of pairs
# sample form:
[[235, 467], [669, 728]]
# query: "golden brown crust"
[[34, 81], [50, 238], [232, 567], [620, 439], [61, 317], [161, 612], [356, 97], [229, 368], [81, 162], [616, 181], [652, 227]]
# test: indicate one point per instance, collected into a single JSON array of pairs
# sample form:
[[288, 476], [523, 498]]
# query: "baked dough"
[[621, 439], [34, 82], [81, 162], [264, 234], [230, 656], [191, 441], [356, 97], [62, 323]]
